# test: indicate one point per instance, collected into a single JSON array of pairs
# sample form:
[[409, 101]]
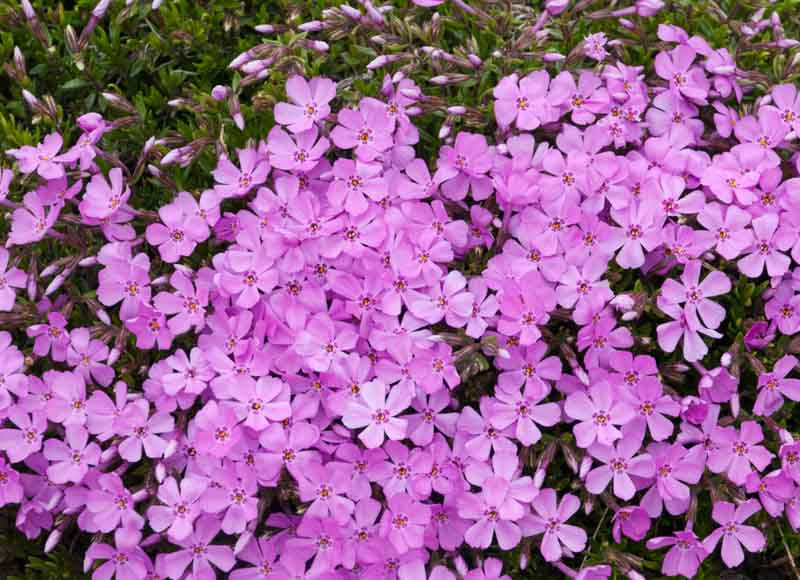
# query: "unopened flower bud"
[[52, 540], [86, 262], [30, 98], [19, 62], [312, 26], [219, 93], [555, 7], [553, 57], [55, 284], [160, 472], [113, 355], [351, 12], [103, 316], [27, 10], [585, 466]]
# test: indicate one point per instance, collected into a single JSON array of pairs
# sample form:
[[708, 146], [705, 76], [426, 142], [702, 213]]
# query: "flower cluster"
[[317, 318]]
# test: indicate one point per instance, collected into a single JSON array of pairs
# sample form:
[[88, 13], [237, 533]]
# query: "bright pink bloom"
[[733, 532], [550, 520]]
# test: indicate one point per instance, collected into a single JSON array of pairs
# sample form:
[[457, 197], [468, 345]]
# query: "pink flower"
[[26, 439], [325, 487], [685, 556], [639, 231], [767, 249], [733, 532], [68, 404], [324, 342], [524, 411], [70, 461], [729, 226], [598, 411], [404, 522], [32, 222], [550, 520], [686, 325], [310, 103], [125, 560], [619, 463], [181, 507], [774, 386], [42, 158], [235, 182], [51, 337], [112, 506], [10, 278], [648, 399], [263, 554], [127, 281], [140, 429], [448, 300], [676, 67], [586, 99], [524, 306], [355, 182], [11, 488], [301, 153], [696, 294], [86, 355], [523, 100], [182, 229], [367, 130], [217, 428], [735, 451], [261, 402], [496, 513], [378, 413], [188, 304], [463, 167], [101, 199], [198, 551], [232, 497], [528, 367]]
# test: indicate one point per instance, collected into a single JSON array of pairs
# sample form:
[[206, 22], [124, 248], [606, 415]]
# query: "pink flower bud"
[[113, 355], [27, 10], [312, 26], [103, 316], [555, 7], [30, 98], [160, 472], [538, 477], [52, 540]]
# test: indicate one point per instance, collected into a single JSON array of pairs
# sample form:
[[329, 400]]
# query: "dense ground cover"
[[151, 75]]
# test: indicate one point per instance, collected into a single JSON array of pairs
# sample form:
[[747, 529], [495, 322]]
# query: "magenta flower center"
[[634, 232], [740, 448]]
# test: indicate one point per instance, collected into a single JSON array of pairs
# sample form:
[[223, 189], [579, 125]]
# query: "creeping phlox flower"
[[379, 358]]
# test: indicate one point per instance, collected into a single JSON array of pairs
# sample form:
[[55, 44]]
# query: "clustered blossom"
[[312, 377]]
